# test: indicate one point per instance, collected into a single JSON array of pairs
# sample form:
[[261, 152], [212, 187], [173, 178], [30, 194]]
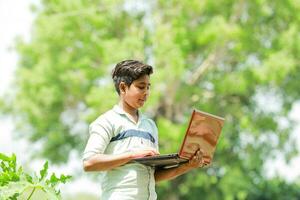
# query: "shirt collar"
[[120, 111]]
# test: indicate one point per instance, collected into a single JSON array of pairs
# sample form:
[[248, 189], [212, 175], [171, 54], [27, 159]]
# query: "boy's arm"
[[103, 162], [168, 174]]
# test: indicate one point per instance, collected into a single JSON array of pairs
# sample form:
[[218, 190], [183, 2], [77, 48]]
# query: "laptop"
[[203, 132]]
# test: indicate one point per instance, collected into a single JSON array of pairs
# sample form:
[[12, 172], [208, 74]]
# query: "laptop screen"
[[202, 133]]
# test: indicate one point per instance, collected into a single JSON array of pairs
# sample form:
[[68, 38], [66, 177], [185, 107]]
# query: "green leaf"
[[53, 180], [64, 178], [4, 157], [29, 178], [44, 171]]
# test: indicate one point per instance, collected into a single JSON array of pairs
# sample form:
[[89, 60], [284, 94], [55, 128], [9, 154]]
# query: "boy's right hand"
[[144, 152]]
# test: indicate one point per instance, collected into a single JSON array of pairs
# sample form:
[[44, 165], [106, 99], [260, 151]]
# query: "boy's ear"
[[122, 87]]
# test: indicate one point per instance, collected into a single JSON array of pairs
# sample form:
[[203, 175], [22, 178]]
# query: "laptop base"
[[162, 161]]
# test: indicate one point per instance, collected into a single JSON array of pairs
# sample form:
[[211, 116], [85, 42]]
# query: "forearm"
[[103, 162], [168, 174]]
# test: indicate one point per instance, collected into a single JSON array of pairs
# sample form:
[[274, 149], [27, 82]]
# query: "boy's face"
[[137, 93]]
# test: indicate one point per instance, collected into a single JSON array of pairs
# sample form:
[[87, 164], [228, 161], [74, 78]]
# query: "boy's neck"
[[128, 109]]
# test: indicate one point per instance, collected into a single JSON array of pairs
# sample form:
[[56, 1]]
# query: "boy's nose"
[[147, 92]]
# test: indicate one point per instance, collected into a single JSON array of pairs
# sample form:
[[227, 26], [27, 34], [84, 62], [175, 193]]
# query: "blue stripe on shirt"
[[133, 133]]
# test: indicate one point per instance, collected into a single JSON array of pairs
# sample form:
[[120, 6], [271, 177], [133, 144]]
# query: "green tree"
[[224, 57]]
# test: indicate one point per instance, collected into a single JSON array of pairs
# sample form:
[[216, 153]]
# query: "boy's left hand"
[[197, 160]]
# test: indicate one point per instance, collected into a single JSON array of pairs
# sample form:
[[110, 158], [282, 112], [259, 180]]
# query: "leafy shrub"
[[16, 184]]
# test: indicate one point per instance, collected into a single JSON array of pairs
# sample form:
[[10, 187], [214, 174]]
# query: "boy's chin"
[[140, 104]]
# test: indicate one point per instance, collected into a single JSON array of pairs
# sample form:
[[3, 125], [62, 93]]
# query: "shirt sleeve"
[[100, 134]]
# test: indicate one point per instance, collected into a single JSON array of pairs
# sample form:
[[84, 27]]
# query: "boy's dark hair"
[[128, 71]]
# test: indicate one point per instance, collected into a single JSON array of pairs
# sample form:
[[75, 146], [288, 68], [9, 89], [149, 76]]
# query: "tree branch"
[[217, 54]]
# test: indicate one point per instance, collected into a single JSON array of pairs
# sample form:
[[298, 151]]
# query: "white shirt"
[[115, 132]]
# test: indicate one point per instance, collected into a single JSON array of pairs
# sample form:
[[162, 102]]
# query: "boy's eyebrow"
[[143, 83]]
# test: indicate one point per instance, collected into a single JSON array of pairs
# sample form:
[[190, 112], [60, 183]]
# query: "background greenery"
[[231, 58]]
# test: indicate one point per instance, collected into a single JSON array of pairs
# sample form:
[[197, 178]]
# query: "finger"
[[207, 160], [201, 152], [194, 159], [199, 156], [197, 159], [152, 150], [156, 152], [152, 153]]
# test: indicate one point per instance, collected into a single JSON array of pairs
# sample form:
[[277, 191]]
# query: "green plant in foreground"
[[16, 184]]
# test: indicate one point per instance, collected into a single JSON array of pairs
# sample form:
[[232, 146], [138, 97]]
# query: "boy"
[[123, 134]]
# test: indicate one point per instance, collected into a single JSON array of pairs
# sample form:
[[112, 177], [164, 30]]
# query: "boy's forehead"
[[143, 79]]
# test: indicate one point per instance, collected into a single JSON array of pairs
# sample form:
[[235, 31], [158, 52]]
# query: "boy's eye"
[[143, 87]]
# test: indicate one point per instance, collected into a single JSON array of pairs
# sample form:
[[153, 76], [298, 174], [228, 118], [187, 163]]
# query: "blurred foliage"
[[224, 57]]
